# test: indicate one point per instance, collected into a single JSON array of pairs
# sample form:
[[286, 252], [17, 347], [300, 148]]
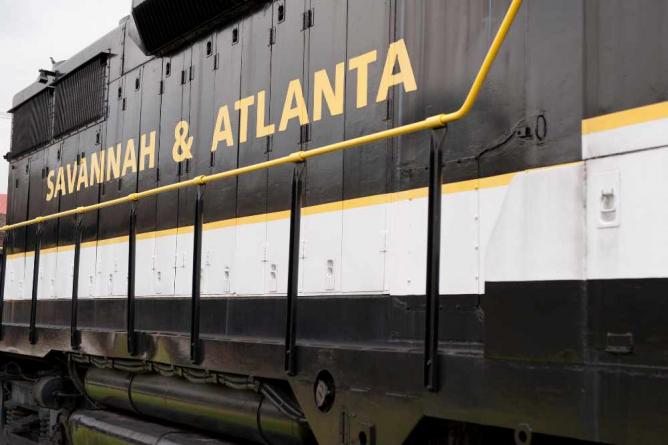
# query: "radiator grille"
[[80, 96], [31, 124]]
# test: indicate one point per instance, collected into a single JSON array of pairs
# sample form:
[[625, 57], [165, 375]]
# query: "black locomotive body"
[[539, 335]]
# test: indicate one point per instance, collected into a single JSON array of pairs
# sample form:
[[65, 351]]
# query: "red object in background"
[[3, 204]]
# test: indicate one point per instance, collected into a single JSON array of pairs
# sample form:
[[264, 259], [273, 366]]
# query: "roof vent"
[[165, 25]]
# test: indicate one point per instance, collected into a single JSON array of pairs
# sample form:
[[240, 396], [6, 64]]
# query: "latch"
[[607, 189], [619, 344], [308, 19]]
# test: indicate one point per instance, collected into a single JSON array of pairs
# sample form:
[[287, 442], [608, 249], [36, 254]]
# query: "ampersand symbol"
[[182, 143]]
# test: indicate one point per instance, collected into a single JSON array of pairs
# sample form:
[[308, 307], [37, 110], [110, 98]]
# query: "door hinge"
[[272, 35], [308, 19], [305, 133]]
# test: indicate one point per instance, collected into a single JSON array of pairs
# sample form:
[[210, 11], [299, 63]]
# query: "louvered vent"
[[80, 96], [31, 124], [163, 25]]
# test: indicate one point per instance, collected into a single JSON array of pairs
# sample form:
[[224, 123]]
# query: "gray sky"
[[31, 31]]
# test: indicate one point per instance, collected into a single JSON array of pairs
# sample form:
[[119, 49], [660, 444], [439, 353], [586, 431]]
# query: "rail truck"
[[343, 222]]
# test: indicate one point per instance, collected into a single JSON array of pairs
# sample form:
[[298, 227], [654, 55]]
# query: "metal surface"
[[3, 277], [75, 337], [104, 427], [595, 349], [166, 25], [35, 285], [432, 304], [195, 344], [293, 271], [132, 256], [31, 125], [235, 413], [79, 96], [432, 122]]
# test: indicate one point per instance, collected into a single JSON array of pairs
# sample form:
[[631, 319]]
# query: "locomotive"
[[350, 222]]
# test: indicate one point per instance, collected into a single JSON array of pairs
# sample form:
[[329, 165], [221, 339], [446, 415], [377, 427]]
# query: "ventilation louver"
[[80, 96], [31, 124]]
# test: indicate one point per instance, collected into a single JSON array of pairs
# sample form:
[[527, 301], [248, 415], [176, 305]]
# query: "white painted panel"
[[459, 243], [25, 284], [320, 253], [104, 271], [249, 259], [165, 260], [218, 247], [625, 139], [120, 269], [365, 243], [145, 267], [87, 264], [636, 244], [58, 271], [407, 255], [184, 262], [490, 204], [14, 277], [540, 232], [277, 248]]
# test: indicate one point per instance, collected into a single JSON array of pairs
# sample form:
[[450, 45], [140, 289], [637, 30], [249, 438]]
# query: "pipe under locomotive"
[[256, 222]]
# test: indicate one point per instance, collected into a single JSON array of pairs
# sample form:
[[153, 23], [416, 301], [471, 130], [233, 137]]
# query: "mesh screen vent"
[[31, 125], [80, 96]]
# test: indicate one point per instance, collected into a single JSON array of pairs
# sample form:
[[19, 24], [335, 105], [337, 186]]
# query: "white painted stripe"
[[531, 229], [625, 139]]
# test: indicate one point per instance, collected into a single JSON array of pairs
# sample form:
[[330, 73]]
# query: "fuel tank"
[[237, 413]]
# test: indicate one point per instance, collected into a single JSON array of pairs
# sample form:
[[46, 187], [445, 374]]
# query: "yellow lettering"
[[130, 159], [83, 174], [182, 142], [262, 130], [242, 106], [361, 65], [223, 130], [97, 168], [71, 177], [295, 95], [49, 184], [333, 96], [405, 76], [147, 150], [60, 183], [113, 162]]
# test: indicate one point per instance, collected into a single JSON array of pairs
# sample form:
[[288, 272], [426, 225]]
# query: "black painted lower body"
[[580, 359]]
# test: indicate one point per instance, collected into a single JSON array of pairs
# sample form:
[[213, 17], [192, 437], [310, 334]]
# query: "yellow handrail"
[[436, 121]]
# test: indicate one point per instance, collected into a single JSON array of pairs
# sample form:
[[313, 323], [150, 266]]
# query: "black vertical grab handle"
[[431, 371], [195, 343], [75, 335], [32, 335], [3, 275], [130, 307], [293, 270]]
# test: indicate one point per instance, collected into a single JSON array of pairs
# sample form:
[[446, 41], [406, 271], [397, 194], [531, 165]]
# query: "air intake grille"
[[31, 125], [165, 24], [80, 96]]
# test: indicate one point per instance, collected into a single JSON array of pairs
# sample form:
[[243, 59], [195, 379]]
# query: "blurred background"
[[32, 32]]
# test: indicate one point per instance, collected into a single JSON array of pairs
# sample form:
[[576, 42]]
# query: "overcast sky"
[[31, 31]]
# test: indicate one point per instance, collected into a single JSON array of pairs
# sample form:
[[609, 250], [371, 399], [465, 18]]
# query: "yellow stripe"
[[625, 118], [366, 201]]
